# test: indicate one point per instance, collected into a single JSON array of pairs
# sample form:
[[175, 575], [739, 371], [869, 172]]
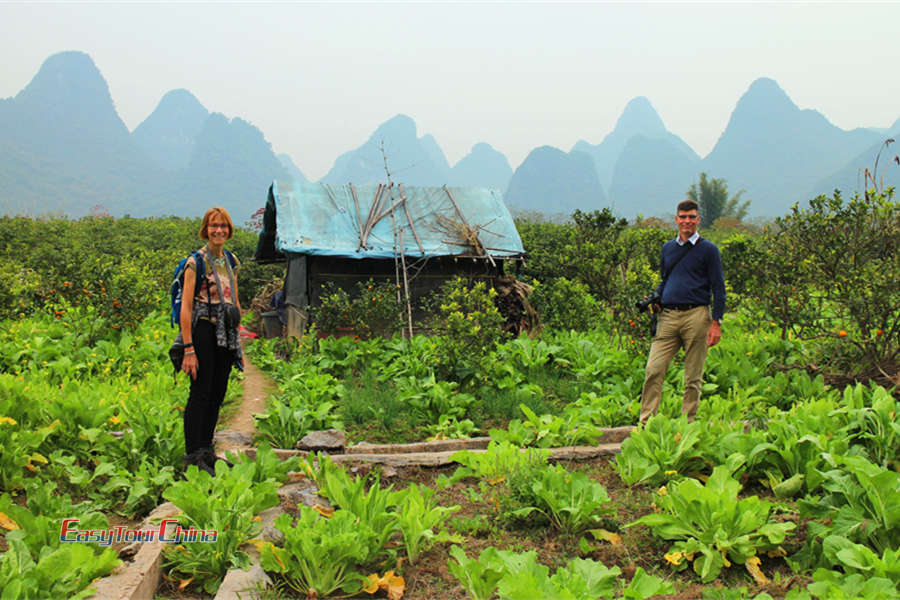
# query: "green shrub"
[[464, 315], [565, 304]]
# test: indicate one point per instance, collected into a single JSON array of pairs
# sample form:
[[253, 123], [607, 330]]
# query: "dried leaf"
[[371, 585], [752, 566], [183, 583], [324, 511], [613, 538], [675, 558], [394, 584], [7, 523]]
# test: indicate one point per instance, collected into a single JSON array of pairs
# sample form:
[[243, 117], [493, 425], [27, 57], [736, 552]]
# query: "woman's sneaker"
[[198, 458], [209, 456]]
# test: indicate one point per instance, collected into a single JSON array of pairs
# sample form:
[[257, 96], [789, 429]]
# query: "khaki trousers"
[[677, 329]]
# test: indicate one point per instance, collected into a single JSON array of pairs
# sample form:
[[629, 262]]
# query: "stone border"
[[138, 579]]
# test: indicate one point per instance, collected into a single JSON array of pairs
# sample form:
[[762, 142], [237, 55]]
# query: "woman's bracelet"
[[189, 352]]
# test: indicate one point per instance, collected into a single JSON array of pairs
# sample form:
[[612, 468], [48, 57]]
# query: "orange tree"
[[830, 272]]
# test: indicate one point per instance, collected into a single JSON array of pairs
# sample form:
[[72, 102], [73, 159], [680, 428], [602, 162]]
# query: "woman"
[[209, 329]]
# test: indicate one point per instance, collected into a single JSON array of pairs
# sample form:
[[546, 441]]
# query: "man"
[[691, 269]]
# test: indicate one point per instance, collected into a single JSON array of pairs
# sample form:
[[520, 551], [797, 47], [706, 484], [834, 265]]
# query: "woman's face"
[[217, 230]]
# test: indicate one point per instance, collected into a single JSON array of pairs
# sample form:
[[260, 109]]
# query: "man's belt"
[[682, 306]]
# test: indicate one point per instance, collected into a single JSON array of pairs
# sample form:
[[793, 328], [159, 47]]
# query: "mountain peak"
[[169, 134], [639, 116], [766, 93], [68, 79], [180, 98], [399, 125]]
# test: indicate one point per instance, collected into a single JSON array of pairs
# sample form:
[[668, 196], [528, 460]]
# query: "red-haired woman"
[[209, 328]]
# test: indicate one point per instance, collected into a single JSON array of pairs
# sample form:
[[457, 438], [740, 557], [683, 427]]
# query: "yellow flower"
[[662, 491], [114, 420], [671, 473], [9, 420]]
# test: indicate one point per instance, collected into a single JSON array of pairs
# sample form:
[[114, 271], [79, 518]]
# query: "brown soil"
[[257, 386]]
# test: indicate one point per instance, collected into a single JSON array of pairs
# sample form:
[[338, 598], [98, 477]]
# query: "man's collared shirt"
[[693, 239]]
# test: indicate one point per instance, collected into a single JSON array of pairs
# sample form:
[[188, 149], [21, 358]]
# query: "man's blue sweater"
[[695, 278]]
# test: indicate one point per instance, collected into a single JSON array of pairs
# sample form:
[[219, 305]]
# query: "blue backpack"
[[176, 290]]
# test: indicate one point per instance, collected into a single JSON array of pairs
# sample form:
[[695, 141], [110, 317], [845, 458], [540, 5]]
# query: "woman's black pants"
[[207, 390]]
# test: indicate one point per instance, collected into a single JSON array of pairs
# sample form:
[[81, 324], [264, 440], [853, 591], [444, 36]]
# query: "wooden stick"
[[379, 194], [410, 221], [356, 203], [406, 287]]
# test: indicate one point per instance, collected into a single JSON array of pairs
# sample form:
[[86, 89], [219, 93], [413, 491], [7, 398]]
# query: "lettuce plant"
[[663, 447], [520, 577], [320, 554], [421, 521], [711, 527], [572, 501]]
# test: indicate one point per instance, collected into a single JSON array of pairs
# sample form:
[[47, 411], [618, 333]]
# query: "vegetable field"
[[786, 485]]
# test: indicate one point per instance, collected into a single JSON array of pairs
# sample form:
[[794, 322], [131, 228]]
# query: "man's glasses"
[[688, 217]]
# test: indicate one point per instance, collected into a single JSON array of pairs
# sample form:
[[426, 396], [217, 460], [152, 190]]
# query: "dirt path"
[[240, 428]]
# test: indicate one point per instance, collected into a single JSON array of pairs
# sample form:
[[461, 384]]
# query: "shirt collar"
[[693, 239]]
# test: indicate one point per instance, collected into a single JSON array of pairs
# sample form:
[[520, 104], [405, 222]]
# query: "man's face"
[[687, 222]]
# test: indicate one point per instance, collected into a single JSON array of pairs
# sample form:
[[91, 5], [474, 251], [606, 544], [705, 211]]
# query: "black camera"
[[643, 305]]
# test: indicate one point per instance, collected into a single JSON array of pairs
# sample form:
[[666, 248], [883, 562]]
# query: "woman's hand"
[[190, 365]]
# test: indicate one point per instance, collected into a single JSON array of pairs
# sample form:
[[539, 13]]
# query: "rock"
[[327, 440], [233, 438], [269, 533], [240, 584], [302, 492]]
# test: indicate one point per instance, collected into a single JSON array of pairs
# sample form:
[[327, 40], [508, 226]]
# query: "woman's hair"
[[213, 212]]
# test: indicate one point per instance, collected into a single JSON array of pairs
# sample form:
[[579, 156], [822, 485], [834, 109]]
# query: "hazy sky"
[[317, 79]]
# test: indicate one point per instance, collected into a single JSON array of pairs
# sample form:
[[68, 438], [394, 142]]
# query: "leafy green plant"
[[549, 431], [319, 554], [857, 558], [662, 449], [226, 503], [375, 507], [520, 577], [571, 501], [450, 428], [431, 399], [421, 522], [494, 464], [861, 502], [64, 571], [833, 585], [282, 425], [712, 527], [872, 423], [267, 465]]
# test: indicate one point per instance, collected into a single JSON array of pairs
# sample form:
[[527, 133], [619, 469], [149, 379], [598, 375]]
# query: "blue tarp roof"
[[363, 221]]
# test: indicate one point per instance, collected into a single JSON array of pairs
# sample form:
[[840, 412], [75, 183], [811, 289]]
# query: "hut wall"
[[307, 274]]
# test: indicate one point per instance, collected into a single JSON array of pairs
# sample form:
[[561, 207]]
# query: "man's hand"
[[714, 334]]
